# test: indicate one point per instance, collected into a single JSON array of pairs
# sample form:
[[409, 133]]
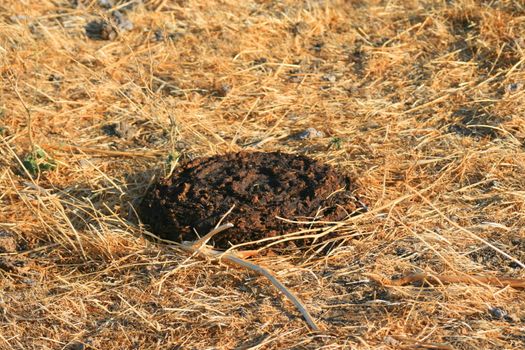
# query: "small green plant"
[[38, 161], [171, 161], [336, 142]]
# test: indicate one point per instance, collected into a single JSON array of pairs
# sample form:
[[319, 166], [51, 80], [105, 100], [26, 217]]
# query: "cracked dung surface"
[[262, 186]]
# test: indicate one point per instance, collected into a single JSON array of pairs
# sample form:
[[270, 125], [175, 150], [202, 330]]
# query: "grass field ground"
[[421, 102]]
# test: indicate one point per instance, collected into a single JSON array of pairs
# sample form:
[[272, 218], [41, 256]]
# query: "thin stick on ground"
[[200, 247], [202, 241], [447, 279], [266, 273]]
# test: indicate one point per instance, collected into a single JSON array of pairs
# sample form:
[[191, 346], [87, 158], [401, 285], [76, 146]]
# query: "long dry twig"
[[200, 247], [447, 279]]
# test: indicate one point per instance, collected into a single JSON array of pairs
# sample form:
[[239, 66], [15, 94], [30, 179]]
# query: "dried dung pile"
[[263, 187]]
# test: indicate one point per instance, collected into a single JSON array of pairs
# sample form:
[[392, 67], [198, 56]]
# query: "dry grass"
[[392, 84]]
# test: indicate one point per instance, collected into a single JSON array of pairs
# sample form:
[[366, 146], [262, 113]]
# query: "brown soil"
[[262, 186]]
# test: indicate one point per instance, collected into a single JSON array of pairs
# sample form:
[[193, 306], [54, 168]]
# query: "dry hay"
[[420, 100]]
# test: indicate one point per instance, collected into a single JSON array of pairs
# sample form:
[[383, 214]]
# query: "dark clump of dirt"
[[262, 186], [100, 30]]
